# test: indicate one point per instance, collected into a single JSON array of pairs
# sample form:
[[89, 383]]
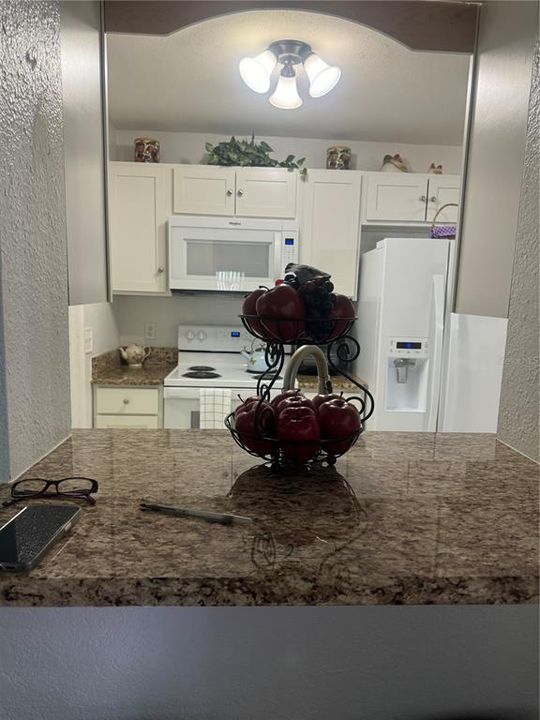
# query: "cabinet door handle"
[[240, 193], [228, 193], [422, 198], [433, 198], [126, 401], [160, 270]]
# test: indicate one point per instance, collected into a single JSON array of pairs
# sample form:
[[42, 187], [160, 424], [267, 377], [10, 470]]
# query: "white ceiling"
[[189, 82]]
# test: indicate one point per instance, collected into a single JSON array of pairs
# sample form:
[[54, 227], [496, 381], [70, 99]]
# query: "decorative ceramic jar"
[[146, 150], [338, 157]]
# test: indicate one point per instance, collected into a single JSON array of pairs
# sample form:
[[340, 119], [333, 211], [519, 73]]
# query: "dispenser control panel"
[[409, 347]]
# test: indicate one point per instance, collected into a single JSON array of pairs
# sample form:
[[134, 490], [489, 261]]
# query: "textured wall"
[[33, 236], [519, 409], [508, 31], [4, 437]]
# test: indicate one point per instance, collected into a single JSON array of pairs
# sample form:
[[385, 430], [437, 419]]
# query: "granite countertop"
[[107, 369], [310, 383], [404, 518]]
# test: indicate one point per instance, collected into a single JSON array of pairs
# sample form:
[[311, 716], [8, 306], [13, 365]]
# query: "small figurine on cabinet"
[[435, 169], [394, 163]]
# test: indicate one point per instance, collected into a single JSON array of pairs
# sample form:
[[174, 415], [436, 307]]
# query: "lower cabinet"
[[134, 407]]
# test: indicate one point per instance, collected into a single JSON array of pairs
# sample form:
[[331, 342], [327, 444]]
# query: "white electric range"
[[208, 358]]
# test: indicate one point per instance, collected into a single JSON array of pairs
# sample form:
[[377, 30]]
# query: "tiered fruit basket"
[[336, 429]]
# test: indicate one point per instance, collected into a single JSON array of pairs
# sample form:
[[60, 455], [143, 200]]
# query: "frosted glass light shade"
[[322, 77], [256, 71], [286, 95]]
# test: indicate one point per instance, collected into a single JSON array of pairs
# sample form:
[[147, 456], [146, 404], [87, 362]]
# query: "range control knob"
[[190, 335], [201, 335]]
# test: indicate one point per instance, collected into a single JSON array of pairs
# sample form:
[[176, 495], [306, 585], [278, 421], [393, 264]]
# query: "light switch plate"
[[88, 340]]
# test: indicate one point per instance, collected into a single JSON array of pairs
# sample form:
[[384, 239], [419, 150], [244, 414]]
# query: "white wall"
[[99, 317], [83, 151], [189, 148], [34, 289], [506, 44], [334, 663], [131, 312]]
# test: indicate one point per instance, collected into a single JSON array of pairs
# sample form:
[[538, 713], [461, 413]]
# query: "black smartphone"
[[26, 537]]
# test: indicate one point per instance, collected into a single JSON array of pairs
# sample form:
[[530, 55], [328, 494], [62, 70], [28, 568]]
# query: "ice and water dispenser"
[[407, 375]]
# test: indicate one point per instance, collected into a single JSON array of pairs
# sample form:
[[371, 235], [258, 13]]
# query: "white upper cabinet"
[[140, 203], [409, 197], [248, 192], [266, 192], [395, 197], [443, 189], [204, 190], [330, 229]]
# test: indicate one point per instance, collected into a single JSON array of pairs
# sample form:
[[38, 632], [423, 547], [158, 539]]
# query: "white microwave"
[[213, 253]]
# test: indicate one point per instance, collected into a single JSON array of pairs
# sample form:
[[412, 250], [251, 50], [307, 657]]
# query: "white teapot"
[[135, 355]]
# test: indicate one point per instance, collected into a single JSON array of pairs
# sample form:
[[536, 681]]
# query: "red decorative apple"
[[294, 401], [282, 395], [249, 307], [338, 419], [320, 399], [282, 313], [298, 431], [253, 420], [343, 308]]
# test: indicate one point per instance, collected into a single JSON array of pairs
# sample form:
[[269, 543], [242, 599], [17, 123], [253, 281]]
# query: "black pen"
[[211, 517]]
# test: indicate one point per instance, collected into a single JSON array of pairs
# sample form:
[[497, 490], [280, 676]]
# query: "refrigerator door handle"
[[438, 330]]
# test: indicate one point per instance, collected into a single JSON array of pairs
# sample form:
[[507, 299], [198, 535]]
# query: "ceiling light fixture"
[[256, 73]]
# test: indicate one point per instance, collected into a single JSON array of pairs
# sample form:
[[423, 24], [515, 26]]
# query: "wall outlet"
[[88, 340], [150, 330]]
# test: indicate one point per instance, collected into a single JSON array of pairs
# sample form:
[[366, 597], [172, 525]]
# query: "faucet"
[[291, 371]]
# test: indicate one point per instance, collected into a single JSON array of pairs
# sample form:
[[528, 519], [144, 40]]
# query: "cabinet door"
[[266, 192], [443, 189], [203, 190], [139, 207], [395, 197], [331, 225]]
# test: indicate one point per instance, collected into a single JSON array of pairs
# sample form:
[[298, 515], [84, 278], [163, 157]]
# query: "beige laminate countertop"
[[404, 518]]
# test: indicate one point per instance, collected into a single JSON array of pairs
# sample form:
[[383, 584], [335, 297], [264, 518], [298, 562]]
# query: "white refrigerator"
[[403, 298]]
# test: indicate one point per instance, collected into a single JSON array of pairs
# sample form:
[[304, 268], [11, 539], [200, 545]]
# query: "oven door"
[[182, 407], [232, 258]]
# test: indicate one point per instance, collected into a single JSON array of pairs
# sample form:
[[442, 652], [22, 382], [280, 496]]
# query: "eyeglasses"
[[72, 487]]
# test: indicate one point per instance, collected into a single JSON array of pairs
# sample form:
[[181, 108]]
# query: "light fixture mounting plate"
[[290, 52]]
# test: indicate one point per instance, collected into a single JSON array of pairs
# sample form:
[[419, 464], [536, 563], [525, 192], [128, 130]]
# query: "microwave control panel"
[[289, 247]]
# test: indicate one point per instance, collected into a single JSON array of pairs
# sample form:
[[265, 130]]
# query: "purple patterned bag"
[[443, 232]]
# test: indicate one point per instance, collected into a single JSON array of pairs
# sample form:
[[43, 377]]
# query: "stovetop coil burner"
[[202, 368], [201, 374]]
